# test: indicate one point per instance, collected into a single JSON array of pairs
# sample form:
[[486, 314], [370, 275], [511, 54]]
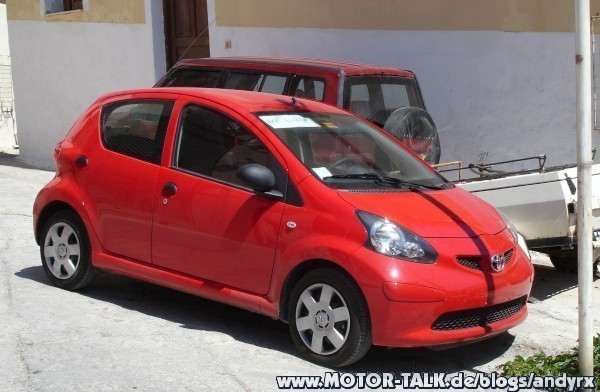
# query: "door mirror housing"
[[260, 179]]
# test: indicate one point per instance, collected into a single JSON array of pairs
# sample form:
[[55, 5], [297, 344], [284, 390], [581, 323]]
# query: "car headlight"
[[509, 224], [523, 244], [390, 239], [513, 230]]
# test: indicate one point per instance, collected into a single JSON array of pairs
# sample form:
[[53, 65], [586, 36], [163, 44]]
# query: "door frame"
[[168, 17]]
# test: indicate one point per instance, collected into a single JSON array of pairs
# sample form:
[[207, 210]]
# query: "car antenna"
[[195, 39], [294, 102]]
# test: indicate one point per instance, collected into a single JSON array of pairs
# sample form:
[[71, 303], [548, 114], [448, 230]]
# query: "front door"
[[186, 30], [206, 222]]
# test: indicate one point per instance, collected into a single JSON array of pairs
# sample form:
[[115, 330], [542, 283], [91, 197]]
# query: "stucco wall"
[[60, 68], [510, 94], [96, 11], [463, 15]]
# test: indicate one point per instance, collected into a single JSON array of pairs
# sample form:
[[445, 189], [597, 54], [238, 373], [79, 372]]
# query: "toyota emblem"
[[498, 262]]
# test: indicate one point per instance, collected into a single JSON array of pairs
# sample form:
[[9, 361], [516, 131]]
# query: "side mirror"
[[260, 179]]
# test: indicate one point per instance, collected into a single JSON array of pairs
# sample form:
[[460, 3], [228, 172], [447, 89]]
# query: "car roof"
[[249, 101], [347, 68]]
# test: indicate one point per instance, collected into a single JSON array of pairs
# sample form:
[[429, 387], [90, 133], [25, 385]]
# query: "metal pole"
[[584, 183]]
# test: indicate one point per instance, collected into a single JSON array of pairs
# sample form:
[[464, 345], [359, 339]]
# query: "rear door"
[[123, 160], [206, 222]]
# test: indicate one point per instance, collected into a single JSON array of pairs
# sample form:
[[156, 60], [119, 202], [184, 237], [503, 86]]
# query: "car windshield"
[[348, 153], [376, 97]]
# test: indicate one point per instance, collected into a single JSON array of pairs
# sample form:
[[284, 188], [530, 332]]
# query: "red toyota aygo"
[[287, 207]]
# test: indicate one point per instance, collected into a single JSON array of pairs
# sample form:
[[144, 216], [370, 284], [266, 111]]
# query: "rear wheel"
[[329, 319], [66, 252]]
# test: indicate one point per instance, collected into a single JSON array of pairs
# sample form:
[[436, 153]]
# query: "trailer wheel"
[[566, 261]]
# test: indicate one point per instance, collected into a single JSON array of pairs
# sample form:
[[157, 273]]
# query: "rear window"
[[375, 97], [137, 128]]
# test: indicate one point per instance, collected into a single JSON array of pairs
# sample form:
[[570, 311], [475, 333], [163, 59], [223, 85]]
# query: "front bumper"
[[406, 299]]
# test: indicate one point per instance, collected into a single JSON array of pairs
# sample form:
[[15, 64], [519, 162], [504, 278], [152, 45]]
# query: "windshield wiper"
[[363, 176], [382, 180]]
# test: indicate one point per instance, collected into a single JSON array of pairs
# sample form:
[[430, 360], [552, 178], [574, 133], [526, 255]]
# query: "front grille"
[[474, 262], [478, 317], [470, 262]]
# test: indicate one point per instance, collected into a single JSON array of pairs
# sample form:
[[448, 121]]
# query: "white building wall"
[[511, 95], [60, 68]]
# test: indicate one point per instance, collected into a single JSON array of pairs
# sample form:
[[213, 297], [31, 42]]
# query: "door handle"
[[169, 189], [81, 161]]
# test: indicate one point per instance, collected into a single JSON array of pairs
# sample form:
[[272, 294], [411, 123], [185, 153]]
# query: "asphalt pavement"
[[121, 334]]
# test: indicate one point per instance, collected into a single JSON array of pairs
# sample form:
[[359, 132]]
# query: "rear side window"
[[274, 84], [216, 146], [193, 78], [137, 128], [308, 87]]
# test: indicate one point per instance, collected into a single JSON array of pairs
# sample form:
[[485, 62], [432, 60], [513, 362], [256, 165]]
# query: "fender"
[[63, 188]]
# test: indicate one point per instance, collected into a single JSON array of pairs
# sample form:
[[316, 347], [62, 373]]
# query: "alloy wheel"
[[322, 319], [62, 250]]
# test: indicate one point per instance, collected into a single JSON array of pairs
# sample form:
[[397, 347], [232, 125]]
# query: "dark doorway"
[[186, 32]]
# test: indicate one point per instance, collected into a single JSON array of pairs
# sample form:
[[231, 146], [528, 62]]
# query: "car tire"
[[566, 261], [66, 251], [329, 318]]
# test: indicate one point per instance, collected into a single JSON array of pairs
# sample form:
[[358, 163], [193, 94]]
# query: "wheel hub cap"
[[322, 319], [61, 251]]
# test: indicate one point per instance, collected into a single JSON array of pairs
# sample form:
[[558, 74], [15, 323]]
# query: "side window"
[[136, 128], [194, 78], [56, 6], [216, 146], [274, 84], [307, 87]]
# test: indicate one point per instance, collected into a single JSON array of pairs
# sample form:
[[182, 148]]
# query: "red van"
[[389, 98], [283, 206]]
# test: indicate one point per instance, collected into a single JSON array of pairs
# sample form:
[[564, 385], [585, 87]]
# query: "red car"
[[283, 206]]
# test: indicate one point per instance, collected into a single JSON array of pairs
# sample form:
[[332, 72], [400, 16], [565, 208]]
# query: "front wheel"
[[66, 251], [329, 318]]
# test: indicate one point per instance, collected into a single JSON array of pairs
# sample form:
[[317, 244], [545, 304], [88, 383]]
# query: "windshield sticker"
[[322, 172], [329, 125], [284, 121]]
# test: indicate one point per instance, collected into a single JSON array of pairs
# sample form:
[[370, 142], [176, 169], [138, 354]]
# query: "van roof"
[[339, 67]]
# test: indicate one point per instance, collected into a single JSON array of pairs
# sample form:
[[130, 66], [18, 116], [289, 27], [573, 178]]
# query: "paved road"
[[122, 334]]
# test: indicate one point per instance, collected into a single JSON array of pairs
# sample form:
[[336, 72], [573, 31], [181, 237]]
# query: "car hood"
[[449, 213]]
